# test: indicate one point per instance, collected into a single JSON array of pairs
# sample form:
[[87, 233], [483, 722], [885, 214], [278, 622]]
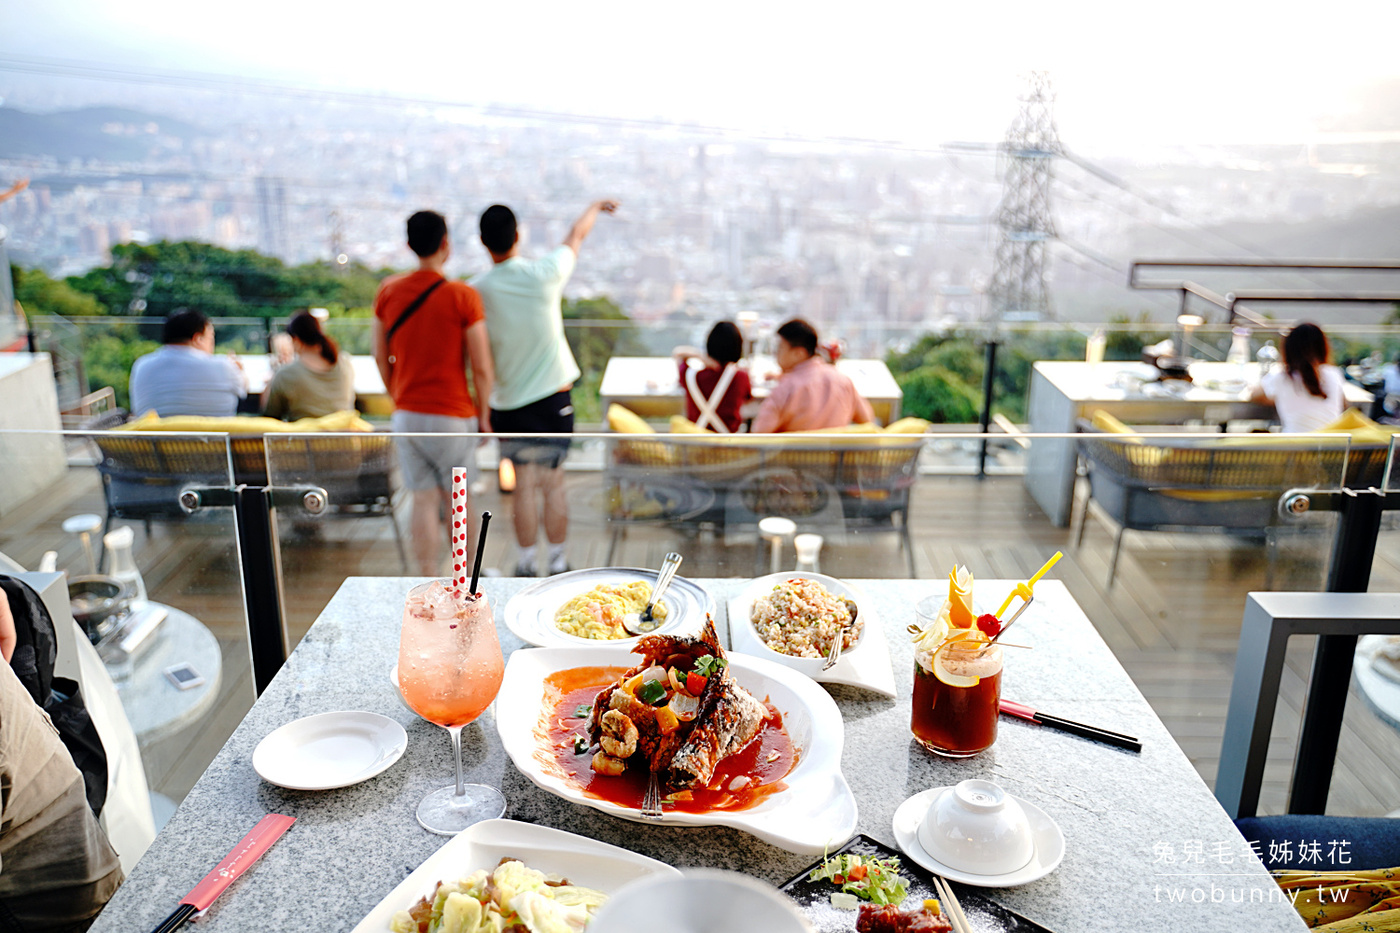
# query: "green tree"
[[108, 355], [156, 279], [38, 295], [594, 346], [937, 395], [941, 376]]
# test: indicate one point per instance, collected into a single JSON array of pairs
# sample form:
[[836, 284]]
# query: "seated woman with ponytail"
[[1308, 390], [318, 382]]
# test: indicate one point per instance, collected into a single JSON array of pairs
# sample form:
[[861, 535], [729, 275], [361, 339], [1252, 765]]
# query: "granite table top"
[[1147, 845]]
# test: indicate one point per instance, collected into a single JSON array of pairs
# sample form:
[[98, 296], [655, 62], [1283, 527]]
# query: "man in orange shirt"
[[426, 330], [811, 395]]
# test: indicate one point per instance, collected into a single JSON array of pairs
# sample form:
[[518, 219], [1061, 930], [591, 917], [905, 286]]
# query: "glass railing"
[[95, 507], [940, 372], [10, 330]]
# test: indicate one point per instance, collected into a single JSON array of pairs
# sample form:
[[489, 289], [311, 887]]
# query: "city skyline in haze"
[[907, 73]]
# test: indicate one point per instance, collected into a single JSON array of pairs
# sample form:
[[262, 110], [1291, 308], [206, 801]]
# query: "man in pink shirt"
[[811, 395]]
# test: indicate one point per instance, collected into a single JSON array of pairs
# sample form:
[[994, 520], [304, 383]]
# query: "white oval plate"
[[583, 861], [1049, 844], [866, 665], [329, 750], [817, 811], [530, 613]]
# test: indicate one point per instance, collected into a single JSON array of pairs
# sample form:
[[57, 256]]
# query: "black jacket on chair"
[[33, 662]]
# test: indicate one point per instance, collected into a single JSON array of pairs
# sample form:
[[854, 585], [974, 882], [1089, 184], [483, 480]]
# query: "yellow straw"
[[1024, 590], [1055, 559]]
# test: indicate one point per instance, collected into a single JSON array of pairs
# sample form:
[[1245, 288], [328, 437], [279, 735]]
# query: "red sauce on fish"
[[566, 691]]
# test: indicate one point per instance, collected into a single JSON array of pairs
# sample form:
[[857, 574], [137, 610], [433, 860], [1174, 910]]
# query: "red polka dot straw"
[[459, 534]]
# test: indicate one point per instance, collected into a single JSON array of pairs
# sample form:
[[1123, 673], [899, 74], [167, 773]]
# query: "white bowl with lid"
[[977, 827]]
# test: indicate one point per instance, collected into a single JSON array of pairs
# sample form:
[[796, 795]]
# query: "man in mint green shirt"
[[535, 371]]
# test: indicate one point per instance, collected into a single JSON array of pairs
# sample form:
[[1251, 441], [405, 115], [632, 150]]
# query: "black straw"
[[1090, 732], [480, 546], [176, 920]]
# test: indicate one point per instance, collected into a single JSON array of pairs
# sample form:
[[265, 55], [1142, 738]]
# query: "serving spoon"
[[640, 623], [839, 640]]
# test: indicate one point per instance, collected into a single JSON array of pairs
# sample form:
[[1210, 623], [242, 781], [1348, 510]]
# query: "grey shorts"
[[427, 462]]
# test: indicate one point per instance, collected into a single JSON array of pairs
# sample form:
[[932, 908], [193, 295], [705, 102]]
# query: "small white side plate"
[[866, 665], [329, 750], [1049, 844], [583, 861]]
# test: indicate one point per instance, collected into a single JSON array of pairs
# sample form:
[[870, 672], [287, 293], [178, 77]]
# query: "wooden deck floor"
[[1172, 618]]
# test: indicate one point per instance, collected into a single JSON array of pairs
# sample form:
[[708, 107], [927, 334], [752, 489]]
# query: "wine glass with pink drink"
[[450, 670]]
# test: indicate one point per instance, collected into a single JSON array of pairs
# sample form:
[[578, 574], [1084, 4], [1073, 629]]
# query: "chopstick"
[[951, 908], [1107, 736], [176, 919]]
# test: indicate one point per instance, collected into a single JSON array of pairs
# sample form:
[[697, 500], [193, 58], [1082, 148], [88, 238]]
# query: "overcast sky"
[[1127, 75]]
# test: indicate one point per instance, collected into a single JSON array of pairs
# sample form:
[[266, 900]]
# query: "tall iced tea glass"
[[957, 686], [957, 700], [450, 669]]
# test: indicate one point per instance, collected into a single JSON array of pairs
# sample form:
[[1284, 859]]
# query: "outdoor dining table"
[[1063, 392], [1147, 845], [650, 385]]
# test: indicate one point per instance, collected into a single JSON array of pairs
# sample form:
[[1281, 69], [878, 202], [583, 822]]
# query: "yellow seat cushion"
[[348, 420], [625, 421], [1362, 429], [907, 426], [1108, 424], [863, 427], [1103, 421]]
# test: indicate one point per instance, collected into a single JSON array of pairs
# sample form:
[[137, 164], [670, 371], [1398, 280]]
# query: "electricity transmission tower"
[[1024, 225], [336, 225]]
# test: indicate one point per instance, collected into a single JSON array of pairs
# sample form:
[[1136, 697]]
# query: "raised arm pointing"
[[584, 225]]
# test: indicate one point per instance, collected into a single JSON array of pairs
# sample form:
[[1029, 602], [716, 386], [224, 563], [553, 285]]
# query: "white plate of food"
[[783, 784], [583, 862], [584, 607], [329, 750], [866, 663]]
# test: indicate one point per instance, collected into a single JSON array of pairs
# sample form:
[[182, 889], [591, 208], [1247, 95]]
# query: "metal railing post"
[[1353, 549], [257, 545], [988, 384]]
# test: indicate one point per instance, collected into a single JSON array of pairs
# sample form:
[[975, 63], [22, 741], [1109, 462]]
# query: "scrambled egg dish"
[[598, 613]]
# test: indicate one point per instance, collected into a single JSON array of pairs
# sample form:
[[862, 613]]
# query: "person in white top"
[[1307, 391], [535, 373]]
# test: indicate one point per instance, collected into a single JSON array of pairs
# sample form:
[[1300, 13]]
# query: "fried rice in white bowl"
[[795, 616]]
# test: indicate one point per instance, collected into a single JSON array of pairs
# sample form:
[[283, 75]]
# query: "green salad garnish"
[[872, 879]]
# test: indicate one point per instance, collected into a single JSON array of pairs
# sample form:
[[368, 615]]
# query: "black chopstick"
[[176, 920], [1090, 732]]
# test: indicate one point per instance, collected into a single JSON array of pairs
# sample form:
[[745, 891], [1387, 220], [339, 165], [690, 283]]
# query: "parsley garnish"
[[710, 664]]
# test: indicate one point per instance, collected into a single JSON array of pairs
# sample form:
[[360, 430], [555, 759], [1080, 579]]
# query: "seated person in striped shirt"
[[811, 395]]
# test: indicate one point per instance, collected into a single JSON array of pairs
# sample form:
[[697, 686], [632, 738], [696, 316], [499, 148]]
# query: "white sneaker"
[[558, 566]]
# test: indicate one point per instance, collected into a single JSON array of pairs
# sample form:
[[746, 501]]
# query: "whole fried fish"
[[727, 719]]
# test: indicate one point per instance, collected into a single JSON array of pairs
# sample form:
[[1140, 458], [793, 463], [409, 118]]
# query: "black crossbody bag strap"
[[408, 312]]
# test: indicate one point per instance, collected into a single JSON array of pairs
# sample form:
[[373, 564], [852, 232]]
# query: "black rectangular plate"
[[814, 897]]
